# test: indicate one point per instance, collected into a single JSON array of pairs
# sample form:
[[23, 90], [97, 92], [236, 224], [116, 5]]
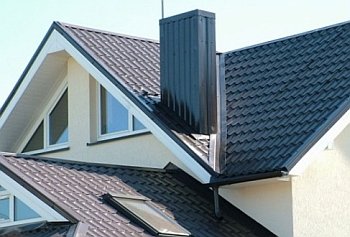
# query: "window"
[[37, 140], [58, 121], [13, 209], [52, 132], [22, 211], [141, 210], [114, 118], [4, 208]]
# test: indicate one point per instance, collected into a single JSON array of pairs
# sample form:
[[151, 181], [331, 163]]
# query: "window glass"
[[23, 212], [153, 218], [37, 140], [4, 209], [137, 124], [114, 116], [58, 121], [2, 188]]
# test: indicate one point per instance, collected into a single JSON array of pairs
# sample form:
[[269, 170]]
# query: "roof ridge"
[[283, 38], [68, 25], [76, 162]]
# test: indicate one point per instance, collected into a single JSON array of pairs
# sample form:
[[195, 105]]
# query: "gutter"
[[245, 178]]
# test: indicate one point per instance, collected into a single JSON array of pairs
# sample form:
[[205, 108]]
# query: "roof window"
[[142, 211]]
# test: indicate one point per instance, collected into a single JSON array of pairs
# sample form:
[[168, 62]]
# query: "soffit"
[[33, 99]]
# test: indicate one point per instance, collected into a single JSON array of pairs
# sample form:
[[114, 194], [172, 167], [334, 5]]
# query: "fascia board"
[[321, 144], [49, 45], [44, 210], [161, 135]]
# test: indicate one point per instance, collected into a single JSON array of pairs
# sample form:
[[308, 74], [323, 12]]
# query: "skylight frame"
[[118, 202]]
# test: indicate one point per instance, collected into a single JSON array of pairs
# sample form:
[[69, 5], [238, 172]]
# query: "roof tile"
[[280, 93]]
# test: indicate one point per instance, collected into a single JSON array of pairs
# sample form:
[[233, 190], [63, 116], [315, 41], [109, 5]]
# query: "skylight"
[[141, 211]]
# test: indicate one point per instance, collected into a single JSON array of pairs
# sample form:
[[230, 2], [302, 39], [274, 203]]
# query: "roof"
[[281, 96], [77, 189], [40, 230]]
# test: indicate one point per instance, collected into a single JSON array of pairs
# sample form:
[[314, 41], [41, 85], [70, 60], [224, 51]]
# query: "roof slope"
[[135, 61], [77, 188], [282, 96]]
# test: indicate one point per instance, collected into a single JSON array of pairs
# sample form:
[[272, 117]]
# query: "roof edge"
[[58, 160], [107, 32], [318, 134], [288, 37]]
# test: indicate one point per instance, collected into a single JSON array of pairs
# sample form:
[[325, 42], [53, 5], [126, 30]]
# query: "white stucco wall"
[[316, 203], [269, 202], [321, 203]]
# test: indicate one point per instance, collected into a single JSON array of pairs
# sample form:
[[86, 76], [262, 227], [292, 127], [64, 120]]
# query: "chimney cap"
[[189, 14]]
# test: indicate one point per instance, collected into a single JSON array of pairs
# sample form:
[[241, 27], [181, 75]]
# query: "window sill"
[[110, 138], [58, 148]]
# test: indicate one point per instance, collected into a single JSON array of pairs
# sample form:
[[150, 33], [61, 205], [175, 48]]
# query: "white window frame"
[[45, 118], [11, 221], [6, 195], [118, 134], [47, 123]]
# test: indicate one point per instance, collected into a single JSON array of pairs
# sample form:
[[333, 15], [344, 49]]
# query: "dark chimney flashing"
[[188, 69]]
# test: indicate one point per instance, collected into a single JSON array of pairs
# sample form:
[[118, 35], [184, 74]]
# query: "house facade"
[[273, 142]]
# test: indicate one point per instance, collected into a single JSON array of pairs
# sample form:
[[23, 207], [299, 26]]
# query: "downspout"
[[217, 209]]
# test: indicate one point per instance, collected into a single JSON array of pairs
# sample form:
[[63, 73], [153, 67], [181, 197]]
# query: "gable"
[[12, 123]]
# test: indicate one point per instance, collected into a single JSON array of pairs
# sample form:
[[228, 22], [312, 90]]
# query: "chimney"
[[188, 69]]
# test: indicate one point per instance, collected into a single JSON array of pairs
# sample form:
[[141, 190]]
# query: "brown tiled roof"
[[76, 188], [134, 61]]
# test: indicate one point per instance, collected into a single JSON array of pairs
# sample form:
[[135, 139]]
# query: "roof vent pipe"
[[188, 69]]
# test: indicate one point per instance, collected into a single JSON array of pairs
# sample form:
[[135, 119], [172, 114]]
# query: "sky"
[[239, 23]]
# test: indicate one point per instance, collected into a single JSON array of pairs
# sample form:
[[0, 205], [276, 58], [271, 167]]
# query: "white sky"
[[239, 23]]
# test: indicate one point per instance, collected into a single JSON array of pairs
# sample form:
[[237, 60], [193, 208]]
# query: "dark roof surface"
[[77, 188], [282, 96]]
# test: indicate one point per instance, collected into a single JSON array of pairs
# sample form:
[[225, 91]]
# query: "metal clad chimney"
[[188, 68]]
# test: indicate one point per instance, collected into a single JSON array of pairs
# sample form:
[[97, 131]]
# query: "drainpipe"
[[217, 209]]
